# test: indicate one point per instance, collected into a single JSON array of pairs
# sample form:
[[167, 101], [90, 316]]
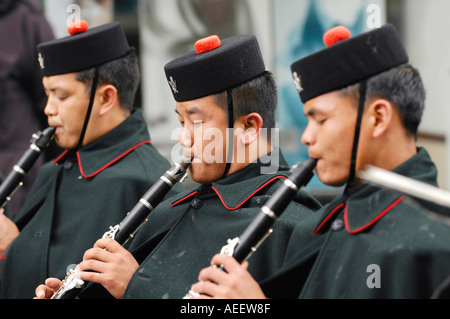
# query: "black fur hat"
[[83, 50], [215, 66], [348, 61]]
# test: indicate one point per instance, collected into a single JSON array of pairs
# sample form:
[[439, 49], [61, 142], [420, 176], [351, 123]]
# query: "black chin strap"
[[88, 114], [362, 101], [231, 131]]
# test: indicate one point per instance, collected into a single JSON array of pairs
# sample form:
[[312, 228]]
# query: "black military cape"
[[75, 200], [186, 231], [370, 243]]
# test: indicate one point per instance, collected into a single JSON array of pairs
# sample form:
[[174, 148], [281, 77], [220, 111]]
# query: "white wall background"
[[425, 32]]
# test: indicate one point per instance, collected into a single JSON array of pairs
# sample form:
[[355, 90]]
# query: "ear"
[[380, 113], [251, 124], [108, 97]]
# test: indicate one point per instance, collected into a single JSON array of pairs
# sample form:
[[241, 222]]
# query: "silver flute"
[[127, 228]]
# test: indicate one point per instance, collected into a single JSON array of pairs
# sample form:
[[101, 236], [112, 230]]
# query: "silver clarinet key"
[[70, 282]]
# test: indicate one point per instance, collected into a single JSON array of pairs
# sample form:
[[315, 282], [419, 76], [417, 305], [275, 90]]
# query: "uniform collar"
[[235, 190], [364, 205], [111, 147]]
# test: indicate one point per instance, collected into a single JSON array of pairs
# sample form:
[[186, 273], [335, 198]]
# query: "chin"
[[203, 174], [65, 145], [332, 180], [62, 145], [202, 179]]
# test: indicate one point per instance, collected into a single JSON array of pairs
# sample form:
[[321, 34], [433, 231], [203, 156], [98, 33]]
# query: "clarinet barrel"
[[137, 217], [259, 228]]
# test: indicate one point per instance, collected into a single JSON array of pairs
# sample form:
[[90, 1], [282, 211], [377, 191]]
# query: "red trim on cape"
[[110, 163], [184, 198], [221, 199], [60, 157], [328, 217], [104, 167], [373, 221], [250, 196], [360, 229]]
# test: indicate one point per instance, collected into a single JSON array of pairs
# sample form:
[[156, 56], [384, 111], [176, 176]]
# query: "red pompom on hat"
[[78, 26], [335, 35], [207, 44], [348, 62]]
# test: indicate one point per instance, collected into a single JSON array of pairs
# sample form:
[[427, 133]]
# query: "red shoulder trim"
[[184, 198], [110, 163], [104, 167], [60, 157], [222, 200], [250, 196], [373, 221], [328, 217]]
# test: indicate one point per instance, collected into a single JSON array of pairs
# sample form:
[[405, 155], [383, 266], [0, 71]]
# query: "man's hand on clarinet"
[[108, 264], [233, 283], [47, 290]]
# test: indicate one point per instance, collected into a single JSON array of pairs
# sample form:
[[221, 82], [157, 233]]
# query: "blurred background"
[[161, 30]]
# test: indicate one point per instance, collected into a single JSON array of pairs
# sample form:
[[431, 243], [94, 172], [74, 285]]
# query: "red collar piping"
[[328, 217], [373, 221], [248, 197], [104, 167], [360, 229], [60, 157], [184, 198], [221, 198]]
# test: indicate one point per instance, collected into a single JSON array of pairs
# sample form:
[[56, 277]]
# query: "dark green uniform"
[[186, 231], [372, 244], [75, 200]]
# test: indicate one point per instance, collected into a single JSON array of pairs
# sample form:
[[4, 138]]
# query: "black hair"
[[402, 86], [258, 95], [122, 73]]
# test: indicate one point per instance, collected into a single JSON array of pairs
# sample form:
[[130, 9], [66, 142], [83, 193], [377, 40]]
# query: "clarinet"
[[134, 220], [14, 180], [241, 248]]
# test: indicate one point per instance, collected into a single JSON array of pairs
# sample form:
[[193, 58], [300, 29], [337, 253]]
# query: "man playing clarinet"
[[371, 243], [226, 104], [90, 78]]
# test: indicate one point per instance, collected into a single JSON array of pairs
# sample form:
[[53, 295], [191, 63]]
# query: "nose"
[[308, 136], [185, 138], [50, 108]]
